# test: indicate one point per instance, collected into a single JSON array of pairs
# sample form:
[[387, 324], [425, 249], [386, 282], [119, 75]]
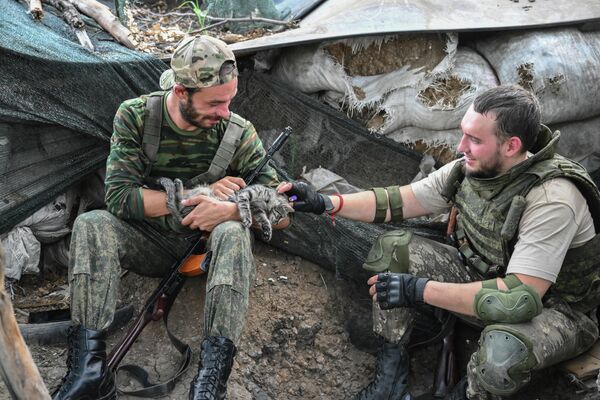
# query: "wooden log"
[[68, 11], [106, 19], [35, 9], [19, 372]]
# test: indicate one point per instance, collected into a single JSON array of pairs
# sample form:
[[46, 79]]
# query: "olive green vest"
[[153, 120], [490, 211]]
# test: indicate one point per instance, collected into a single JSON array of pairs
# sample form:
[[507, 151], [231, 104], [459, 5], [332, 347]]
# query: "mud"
[[413, 51], [307, 337], [445, 92]]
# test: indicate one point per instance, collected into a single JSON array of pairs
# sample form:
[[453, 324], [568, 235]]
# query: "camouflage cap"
[[196, 63]]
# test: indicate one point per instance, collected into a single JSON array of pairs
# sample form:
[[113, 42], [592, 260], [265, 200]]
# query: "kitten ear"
[[288, 208]]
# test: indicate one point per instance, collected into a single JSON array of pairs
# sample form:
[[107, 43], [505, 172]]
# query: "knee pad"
[[520, 303], [504, 360]]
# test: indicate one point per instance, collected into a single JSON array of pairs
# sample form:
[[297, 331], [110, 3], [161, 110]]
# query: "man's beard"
[[488, 170], [191, 116]]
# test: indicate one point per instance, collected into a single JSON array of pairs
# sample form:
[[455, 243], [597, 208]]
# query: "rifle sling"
[[159, 389]]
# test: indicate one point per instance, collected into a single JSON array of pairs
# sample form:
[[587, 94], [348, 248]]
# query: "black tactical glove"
[[308, 200], [399, 290]]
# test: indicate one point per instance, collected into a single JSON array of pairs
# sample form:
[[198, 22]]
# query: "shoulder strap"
[[224, 154], [455, 178], [152, 126]]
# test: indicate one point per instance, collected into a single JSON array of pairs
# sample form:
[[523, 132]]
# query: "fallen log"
[[19, 372], [35, 9], [106, 19], [68, 11]]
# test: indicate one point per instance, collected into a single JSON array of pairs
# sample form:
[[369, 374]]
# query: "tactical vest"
[[153, 119], [490, 211]]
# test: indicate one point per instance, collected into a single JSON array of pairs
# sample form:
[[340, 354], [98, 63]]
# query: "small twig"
[[209, 27], [35, 9], [323, 279]]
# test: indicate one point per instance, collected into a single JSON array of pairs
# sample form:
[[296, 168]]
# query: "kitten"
[[262, 203]]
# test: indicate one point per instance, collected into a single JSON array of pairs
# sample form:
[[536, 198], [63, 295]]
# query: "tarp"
[[57, 103], [336, 19]]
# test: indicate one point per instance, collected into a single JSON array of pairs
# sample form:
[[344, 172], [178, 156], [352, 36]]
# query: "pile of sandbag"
[[42, 239], [416, 88]]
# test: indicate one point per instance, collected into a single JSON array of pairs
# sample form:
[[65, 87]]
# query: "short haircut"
[[517, 112]]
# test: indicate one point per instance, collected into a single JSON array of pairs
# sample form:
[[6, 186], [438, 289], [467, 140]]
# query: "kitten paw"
[[267, 232]]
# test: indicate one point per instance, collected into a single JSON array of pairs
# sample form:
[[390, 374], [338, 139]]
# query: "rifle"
[[160, 301]]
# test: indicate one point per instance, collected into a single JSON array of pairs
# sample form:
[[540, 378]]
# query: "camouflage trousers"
[[557, 334], [102, 244]]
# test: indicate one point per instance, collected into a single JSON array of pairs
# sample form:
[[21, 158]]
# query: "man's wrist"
[[328, 203]]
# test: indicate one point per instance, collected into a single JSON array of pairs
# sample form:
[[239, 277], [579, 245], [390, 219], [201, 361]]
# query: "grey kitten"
[[262, 203]]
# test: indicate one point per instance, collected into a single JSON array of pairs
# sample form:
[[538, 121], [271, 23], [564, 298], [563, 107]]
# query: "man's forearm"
[[155, 203], [361, 206], [456, 297]]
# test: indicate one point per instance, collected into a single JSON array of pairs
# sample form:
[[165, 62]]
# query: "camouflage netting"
[[56, 106], [323, 137]]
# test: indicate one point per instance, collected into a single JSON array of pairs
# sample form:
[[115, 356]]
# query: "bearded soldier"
[[185, 131], [526, 266]]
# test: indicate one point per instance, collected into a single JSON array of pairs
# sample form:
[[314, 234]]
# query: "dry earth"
[[296, 344]]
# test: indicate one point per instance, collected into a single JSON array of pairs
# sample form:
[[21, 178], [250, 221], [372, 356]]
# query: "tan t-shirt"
[[556, 218]]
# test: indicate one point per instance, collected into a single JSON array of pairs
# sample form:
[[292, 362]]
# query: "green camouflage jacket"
[[182, 154]]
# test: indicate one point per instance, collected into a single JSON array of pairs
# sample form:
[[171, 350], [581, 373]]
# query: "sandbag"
[[438, 103], [578, 139], [360, 72], [51, 222], [559, 65], [22, 252]]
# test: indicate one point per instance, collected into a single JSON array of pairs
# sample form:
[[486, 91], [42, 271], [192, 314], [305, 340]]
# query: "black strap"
[[152, 126], [159, 389]]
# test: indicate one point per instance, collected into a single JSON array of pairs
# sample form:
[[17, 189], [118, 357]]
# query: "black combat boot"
[[216, 360], [390, 382], [88, 377]]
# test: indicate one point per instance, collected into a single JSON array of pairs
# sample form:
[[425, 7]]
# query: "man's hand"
[[306, 198], [209, 213], [226, 187], [397, 290]]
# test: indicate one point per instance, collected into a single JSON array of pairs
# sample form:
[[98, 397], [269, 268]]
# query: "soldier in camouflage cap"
[[527, 258], [186, 132]]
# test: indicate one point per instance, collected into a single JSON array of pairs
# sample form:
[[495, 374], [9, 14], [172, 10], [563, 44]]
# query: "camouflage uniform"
[[562, 330], [103, 242]]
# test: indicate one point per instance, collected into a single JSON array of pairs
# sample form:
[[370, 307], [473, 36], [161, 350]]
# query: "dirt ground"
[[296, 345]]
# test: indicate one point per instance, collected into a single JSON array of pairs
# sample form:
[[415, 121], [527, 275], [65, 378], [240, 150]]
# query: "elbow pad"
[[519, 304]]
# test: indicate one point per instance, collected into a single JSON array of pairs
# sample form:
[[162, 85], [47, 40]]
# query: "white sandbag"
[[561, 66], [311, 70], [411, 134], [360, 72], [22, 252], [578, 139], [50, 222], [439, 103]]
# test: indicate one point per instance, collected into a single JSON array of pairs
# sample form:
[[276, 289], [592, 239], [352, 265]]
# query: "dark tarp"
[[57, 103]]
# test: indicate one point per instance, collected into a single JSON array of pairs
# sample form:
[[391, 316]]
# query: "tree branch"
[[19, 372], [35, 9]]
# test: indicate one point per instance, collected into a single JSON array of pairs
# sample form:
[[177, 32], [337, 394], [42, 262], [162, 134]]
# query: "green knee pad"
[[504, 360], [389, 252]]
